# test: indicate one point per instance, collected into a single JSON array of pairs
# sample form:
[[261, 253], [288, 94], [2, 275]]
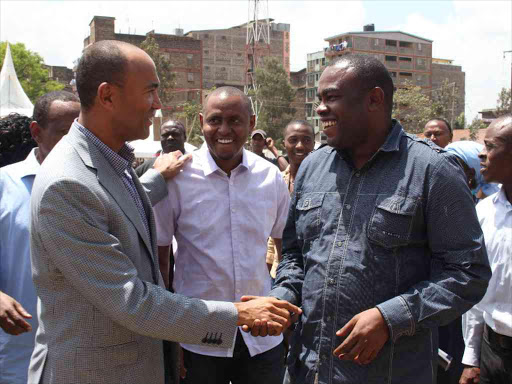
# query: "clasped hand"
[[262, 316]]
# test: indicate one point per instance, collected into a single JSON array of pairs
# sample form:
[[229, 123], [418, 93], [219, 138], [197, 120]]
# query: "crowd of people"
[[352, 263]]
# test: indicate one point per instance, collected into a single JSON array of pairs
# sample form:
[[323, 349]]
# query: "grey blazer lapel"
[[111, 181]]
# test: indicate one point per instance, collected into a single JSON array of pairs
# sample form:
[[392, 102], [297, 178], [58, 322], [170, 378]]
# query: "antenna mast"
[[257, 46]]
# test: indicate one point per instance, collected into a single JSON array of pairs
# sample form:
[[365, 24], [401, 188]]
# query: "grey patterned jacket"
[[102, 307]]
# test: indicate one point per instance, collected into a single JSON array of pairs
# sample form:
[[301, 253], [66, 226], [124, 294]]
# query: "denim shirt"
[[400, 234]]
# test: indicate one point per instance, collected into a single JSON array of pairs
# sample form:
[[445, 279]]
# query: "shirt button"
[[358, 174], [328, 318], [331, 281], [348, 206], [339, 243], [233, 210]]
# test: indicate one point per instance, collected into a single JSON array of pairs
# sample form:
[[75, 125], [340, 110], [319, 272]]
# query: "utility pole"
[[504, 52], [257, 46]]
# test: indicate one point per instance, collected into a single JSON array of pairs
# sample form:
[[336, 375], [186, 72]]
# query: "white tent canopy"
[[12, 96]]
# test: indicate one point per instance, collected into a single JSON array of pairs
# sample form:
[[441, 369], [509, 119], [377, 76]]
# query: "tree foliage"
[[412, 107], [460, 122], [276, 94], [163, 69], [190, 113], [29, 68], [446, 101], [474, 127], [504, 104]]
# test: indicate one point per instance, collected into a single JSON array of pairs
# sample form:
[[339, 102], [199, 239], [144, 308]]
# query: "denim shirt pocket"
[[309, 220], [392, 220]]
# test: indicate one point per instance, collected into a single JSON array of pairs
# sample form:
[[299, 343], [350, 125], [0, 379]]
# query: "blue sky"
[[474, 33]]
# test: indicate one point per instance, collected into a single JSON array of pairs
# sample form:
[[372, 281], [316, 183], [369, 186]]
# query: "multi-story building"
[[315, 66], [298, 82], [445, 73], [184, 53], [225, 57], [407, 57]]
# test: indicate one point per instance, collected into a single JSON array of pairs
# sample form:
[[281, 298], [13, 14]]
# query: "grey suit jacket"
[[102, 307]]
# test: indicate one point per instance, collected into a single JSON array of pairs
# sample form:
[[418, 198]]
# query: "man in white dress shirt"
[[487, 326], [222, 209]]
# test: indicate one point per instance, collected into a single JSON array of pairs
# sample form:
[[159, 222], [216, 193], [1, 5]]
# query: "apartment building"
[[444, 72], [184, 54], [316, 63], [225, 58]]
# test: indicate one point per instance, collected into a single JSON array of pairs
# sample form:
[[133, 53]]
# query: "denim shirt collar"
[[392, 143]]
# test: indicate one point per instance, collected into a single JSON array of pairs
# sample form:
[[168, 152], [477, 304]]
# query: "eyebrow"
[[327, 90]]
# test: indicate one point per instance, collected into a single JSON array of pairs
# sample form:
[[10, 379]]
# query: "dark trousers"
[[265, 368], [452, 342], [495, 359]]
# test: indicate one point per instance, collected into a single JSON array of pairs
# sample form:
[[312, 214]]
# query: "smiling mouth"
[[328, 123], [225, 141]]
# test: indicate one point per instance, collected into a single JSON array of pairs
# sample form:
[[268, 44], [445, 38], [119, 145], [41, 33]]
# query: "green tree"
[[446, 100], [275, 94], [32, 75], [412, 107], [474, 127], [460, 122], [503, 104], [163, 69], [190, 113]]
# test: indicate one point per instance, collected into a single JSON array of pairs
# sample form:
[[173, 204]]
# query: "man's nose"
[[321, 109], [300, 145], [157, 104]]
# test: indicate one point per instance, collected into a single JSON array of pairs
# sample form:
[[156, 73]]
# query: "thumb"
[[185, 158]]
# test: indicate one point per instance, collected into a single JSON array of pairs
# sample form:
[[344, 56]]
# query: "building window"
[[405, 74], [405, 44], [206, 68], [239, 54], [317, 61], [390, 58], [206, 52], [190, 59], [223, 69], [393, 74], [376, 42], [223, 37], [190, 76], [419, 47], [405, 59], [317, 76], [391, 43], [206, 36], [323, 61]]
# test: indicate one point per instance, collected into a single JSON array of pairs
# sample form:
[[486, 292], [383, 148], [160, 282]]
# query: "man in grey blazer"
[[102, 307]]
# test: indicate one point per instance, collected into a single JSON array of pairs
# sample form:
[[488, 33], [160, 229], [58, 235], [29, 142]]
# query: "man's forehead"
[[223, 103], [501, 129]]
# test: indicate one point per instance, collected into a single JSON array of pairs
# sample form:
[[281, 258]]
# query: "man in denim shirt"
[[382, 243]]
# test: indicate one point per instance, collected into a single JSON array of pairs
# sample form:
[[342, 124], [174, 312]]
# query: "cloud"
[[475, 36]]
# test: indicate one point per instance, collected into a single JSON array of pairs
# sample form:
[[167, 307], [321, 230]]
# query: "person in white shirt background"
[[487, 327]]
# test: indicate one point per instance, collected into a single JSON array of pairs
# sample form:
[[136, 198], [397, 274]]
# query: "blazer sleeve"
[[72, 226]]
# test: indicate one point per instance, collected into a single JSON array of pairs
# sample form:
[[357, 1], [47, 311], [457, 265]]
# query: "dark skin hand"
[[365, 335], [262, 316], [13, 315], [470, 375]]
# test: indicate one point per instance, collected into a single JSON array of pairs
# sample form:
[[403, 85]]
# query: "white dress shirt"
[[495, 309], [221, 225]]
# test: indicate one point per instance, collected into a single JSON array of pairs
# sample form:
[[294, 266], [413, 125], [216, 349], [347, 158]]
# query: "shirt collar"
[[392, 143], [30, 164], [209, 164], [500, 198], [120, 161]]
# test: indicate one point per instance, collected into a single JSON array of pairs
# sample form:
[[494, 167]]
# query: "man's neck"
[[101, 131]]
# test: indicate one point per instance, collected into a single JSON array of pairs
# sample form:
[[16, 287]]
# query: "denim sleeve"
[[460, 269], [290, 272]]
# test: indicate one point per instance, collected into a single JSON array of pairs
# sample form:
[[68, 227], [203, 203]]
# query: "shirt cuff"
[[398, 317], [283, 294], [471, 357]]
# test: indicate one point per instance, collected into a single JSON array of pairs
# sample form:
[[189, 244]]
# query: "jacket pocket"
[[391, 222], [309, 221]]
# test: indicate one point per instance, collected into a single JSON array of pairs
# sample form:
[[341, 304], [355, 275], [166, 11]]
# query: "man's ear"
[[35, 131], [106, 95], [375, 99], [252, 122]]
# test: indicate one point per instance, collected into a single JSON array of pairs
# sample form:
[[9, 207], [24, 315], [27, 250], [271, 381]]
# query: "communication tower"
[[257, 45]]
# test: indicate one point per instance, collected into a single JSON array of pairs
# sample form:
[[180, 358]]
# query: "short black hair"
[[175, 123], [101, 62], [16, 142], [231, 91], [371, 73], [43, 104], [299, 122], [444, 121]]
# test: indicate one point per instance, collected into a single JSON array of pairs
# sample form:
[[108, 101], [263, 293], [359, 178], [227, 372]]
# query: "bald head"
[[103, 62], [225, 92], [503, 126]]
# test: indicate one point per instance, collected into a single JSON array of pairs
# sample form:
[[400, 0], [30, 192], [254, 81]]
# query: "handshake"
[[262, 316]]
